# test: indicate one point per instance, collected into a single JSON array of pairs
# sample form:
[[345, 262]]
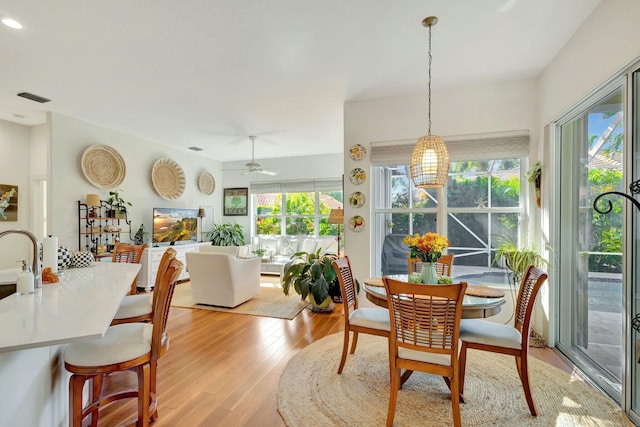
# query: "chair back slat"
[[425, 317], [123, 252], [342, 266], [163, 293], [167, 256], [529, 287]]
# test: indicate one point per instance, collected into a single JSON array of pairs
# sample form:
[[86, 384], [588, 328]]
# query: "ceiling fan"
[[254, 166]]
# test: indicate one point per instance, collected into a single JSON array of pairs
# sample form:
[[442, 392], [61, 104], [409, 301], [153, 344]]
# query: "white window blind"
[[296, 186], [467, 148]]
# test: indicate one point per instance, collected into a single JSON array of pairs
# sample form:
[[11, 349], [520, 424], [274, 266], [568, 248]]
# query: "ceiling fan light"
[[429, 162]]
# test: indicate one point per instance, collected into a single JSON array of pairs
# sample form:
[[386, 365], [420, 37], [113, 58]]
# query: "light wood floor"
[[223, 369]]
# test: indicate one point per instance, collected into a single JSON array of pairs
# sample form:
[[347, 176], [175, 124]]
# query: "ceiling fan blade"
[[270, 173]]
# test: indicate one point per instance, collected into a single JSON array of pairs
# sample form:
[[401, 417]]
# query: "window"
[[295, 213], [482, 201]]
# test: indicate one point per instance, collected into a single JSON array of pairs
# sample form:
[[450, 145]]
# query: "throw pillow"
[[82, 259]]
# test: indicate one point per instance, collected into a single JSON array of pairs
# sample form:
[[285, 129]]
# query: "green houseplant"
[[517, 259], [312, 274], [117, 204], [226, 234]]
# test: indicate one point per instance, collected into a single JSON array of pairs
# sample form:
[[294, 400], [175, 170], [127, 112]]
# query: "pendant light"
[[430, 159]]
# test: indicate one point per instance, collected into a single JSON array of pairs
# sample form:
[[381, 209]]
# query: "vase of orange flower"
[[428, 247]]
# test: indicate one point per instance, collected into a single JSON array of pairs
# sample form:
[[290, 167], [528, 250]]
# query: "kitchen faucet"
[[36, 264]]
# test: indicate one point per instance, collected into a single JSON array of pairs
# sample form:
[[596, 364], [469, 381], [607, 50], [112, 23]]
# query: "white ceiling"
[[209, 73]]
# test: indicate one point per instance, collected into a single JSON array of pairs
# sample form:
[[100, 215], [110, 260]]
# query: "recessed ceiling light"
[[11, 23]]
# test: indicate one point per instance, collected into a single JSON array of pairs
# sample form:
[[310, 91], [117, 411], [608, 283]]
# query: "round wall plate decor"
[[206, 183], [357, 176], [357, 152], [168, 179], [103, 166], [356, 200], [356, 223]]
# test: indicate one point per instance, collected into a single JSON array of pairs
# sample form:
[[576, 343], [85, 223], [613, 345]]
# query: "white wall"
[[505, 106], [15, 154], [71, 137], [602, 46], [325, 166]]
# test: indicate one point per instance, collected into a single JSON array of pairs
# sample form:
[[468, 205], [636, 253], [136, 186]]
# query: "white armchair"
[[222, 279]]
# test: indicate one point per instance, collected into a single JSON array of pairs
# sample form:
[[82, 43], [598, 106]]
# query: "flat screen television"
[[172, 225]]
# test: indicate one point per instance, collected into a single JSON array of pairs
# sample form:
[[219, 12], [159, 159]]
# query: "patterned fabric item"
[[82, 259], [64, 257]]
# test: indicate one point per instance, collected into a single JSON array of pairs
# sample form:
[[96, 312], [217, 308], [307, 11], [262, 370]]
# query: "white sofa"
[[222, 279], [280, 249]]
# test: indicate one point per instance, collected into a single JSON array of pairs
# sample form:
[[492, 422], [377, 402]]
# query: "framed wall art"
[[8, 202], [235, 201]]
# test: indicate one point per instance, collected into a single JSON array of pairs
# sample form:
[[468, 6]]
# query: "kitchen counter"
[[79, 307]]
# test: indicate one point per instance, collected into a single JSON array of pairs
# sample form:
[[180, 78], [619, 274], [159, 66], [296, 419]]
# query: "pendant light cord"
[[429, 110]]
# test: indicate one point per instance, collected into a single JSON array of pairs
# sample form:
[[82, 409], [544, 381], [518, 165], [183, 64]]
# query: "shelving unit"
[[98, 226]]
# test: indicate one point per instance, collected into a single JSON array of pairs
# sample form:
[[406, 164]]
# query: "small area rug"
[[311, 393], [271, 302]]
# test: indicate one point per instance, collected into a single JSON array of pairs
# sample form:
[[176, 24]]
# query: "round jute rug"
[[311, 393]]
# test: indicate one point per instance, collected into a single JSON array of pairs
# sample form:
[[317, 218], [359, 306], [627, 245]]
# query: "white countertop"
[[80, 306]]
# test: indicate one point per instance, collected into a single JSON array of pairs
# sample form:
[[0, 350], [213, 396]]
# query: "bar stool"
[[123, 252], [139, 308], [131, 346]]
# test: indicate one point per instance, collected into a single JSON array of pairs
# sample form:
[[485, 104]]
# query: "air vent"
[[195, 148], [33, 97]]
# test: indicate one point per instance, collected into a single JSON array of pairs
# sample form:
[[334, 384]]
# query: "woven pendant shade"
[[429, 162], [430, 159]]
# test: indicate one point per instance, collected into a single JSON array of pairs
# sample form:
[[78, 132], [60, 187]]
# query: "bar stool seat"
[[135, 306], [120, 344]]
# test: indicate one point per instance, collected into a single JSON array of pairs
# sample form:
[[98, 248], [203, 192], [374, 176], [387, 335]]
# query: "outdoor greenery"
[[606, 232], [226, 234], [300, 211]]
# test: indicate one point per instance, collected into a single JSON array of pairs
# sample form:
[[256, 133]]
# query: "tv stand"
[[151, 260]]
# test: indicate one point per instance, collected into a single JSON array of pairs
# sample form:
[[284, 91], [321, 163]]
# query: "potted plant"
[[534, 175], [261, 252], [311, 274], [118, 206], [517, 259], [226, 234]]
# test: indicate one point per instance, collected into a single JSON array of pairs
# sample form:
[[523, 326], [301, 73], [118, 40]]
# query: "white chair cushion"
[[135, 305], [486, 332], [369, 317], [120, 344]]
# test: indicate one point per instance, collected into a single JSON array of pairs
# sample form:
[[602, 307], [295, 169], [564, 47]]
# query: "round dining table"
[[479, 301]]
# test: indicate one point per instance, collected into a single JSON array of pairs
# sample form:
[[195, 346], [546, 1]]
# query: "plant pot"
[[325, 307]]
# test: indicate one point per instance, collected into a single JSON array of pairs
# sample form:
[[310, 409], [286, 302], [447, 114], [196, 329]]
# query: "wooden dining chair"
[[506, 339], [368, 320], [131, 346], [444, 265], [139, 307], [425, 325], [124, 252]]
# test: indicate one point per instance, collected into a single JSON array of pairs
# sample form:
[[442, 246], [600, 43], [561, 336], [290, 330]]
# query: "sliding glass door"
[[590, 258]]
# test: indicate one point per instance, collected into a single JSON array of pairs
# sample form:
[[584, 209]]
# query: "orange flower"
[[427, 247]]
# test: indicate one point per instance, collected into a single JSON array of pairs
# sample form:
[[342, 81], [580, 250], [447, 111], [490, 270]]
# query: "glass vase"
[[429, 275]]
